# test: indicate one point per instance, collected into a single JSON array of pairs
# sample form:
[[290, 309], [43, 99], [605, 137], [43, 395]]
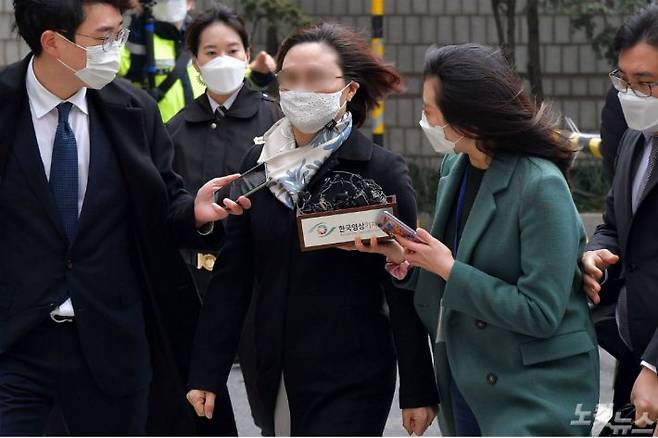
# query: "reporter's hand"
[[263, 63], [594, 264], [390, 249], [429, 253], [203, 402], [205, 208], [417, 420]]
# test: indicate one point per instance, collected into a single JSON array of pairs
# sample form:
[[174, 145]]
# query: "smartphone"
[[395, 227], [249, 183]]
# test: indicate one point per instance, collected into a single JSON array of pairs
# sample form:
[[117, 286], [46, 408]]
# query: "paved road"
[[246, 426]]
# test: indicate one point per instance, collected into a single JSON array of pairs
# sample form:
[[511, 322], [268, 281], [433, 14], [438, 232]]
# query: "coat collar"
[[246, 106], [496, 179]]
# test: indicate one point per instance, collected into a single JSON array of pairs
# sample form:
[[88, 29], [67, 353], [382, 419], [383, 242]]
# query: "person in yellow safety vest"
[[171, 59]]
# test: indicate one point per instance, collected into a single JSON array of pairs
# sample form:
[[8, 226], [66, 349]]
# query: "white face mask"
[[641, 113], [101, 66], [224, 74], [309, 111], [170, 11], [437, 137]]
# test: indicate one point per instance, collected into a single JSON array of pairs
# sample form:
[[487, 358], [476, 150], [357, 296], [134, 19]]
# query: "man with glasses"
[[621, 264], [97, 309]]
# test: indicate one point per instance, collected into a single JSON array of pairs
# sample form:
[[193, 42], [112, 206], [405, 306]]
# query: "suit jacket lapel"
[[653, 181], [495, 179], [29, 158], [623, 184], [13, 96]]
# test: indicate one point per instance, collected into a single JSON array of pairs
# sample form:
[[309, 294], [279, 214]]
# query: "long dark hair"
[[481, 96], [375, 78]]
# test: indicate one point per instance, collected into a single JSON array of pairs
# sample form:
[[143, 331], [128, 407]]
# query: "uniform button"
[[213, 125], [69, 265], [480, 324], [632, 267], [492, 379]]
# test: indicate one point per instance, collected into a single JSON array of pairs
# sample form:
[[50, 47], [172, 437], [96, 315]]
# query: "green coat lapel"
[[495, 180]]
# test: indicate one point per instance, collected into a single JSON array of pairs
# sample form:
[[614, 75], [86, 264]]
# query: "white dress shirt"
[[229, 102], [43, 107]]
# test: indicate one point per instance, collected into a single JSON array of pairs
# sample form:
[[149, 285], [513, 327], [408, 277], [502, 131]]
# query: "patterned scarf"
[[290, 167]]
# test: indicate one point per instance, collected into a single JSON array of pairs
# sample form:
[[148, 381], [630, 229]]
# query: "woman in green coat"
[[496, 281]]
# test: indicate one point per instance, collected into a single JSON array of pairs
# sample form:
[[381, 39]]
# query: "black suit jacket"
[[634, 237], [320, 316], [613, 126], [162, 215]]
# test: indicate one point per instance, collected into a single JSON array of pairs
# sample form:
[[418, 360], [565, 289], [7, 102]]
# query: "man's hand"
[[263, 63], [594, 264], [417, 420], [205, 209], [645, 398], [202, 401]]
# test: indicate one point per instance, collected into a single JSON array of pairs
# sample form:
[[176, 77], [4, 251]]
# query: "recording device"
[[249, 183], [393, 226]]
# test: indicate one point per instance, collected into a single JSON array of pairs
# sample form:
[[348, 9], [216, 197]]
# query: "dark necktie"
[[64, 171], [220, 112]]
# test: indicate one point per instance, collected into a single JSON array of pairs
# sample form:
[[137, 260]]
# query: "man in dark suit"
[[621, 264], [94, 300]]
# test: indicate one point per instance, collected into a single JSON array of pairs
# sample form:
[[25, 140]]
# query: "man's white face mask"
[[102, 64]]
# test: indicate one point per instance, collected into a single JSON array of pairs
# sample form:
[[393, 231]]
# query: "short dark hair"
[[638, 28], [376, 79], [216, 14], [479, 94], [34, 17]]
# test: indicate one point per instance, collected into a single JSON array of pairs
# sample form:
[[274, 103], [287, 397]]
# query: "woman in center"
[[330, 326]]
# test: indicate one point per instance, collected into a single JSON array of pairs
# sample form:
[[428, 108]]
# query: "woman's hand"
[[429, 254], [417, 420], [205, 209], [392, 250]]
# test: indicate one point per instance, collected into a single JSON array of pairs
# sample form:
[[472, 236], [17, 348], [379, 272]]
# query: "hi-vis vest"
[[165, 60]]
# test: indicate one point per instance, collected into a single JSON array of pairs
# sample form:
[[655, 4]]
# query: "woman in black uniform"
[[211, 136]]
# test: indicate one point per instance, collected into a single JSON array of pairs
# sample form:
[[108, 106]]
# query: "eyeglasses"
[[641, 89], [108, 41], [312, 80]]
